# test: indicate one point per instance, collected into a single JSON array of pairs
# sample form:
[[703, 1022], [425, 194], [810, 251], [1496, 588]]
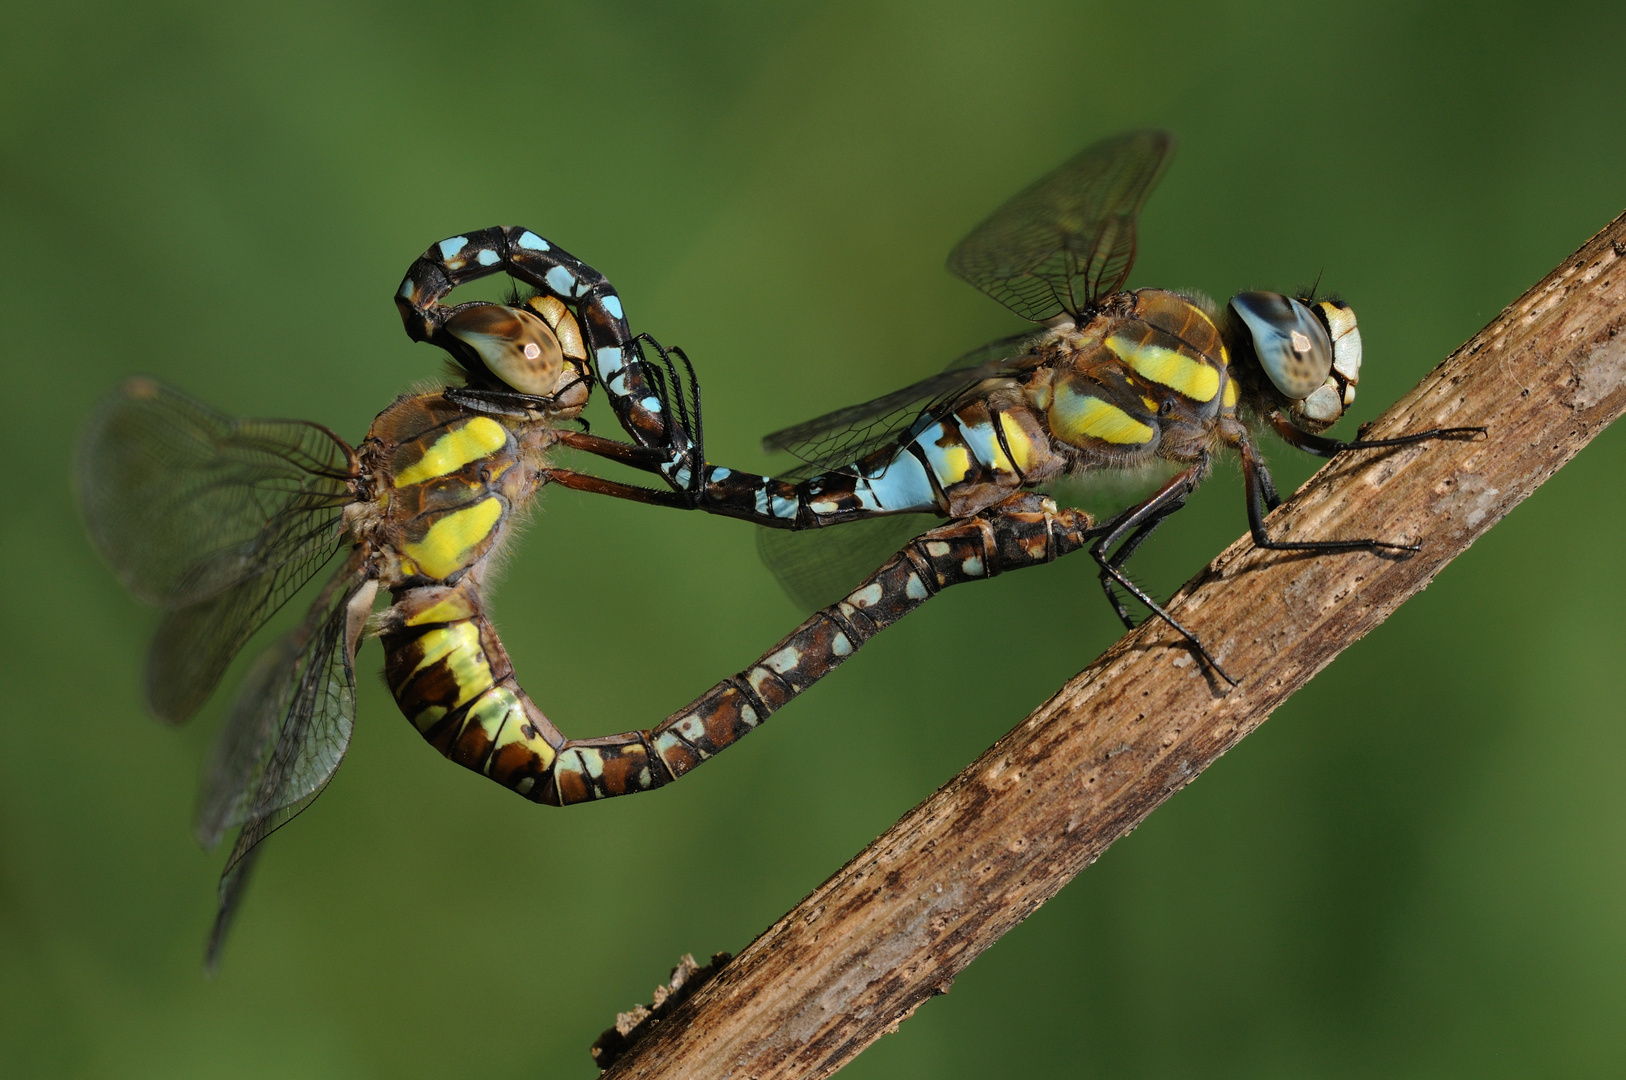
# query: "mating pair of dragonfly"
[[219, 521]]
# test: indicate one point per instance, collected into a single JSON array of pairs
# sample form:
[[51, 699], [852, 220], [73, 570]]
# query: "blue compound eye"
[[1291, 343]]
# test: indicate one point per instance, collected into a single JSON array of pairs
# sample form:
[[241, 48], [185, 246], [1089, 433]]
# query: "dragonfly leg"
[[1262, 498], [1324, 447], [1026, 530], [1121, 556], [578, 481], [1129, 530]]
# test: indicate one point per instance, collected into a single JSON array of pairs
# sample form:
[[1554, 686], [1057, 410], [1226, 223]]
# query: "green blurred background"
[[1416, 869]]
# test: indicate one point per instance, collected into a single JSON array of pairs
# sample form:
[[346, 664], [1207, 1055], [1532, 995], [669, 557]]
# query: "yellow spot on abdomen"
[[450, 609], [446, 546], [501, 716], [951, 463], [1017, 439], [1230, 394], [1179, 372], [1075, 416], [480, 437], [441, 644]]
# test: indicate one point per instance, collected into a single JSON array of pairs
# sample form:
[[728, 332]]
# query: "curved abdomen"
[[452, 678]]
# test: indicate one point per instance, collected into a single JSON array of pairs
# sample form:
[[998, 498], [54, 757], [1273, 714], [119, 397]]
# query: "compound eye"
[[1346, 342], [515, 346], [1291, 343]]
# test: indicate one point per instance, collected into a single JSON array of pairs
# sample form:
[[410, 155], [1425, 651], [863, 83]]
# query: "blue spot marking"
[[784, 508], [609, 361], [451, 247], [612, 304], [487, 257], [529, 239], [559, 280], [406, 289], [652, 404], [904, 485], [720, 474]]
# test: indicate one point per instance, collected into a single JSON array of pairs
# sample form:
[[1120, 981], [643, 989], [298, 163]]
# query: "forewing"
[[186, 502], [218, 520], [842, 437], [286, 734], [1069, 239], [817, 567]]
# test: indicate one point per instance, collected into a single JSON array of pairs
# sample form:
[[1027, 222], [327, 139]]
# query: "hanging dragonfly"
[[1114, 381]]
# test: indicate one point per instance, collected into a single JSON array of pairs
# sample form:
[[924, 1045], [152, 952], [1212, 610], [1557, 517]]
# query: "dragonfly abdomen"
[[452, 678], [954, 466]]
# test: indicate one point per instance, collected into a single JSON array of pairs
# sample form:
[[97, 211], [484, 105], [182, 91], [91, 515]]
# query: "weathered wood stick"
[[900, 921]]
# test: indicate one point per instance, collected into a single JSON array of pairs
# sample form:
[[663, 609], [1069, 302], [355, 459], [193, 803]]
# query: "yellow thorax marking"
[[1230, 392], [1075, 415], [1179, 372], [445, 547], [480, 437]]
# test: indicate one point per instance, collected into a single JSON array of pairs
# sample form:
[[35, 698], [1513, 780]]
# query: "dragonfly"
[[1111, 382], [219, 521]]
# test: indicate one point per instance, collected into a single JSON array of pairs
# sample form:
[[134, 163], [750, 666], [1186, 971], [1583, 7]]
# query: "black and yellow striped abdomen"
[[453, 680]]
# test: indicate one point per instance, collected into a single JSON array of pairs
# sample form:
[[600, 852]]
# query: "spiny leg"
[[1121, 556], [1262, 498], [1261, 489], [1321, 446], [1129, 530], [578, 481], [1025, 530]]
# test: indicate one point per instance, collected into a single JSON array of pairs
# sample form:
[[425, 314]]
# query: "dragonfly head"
[[1310, 352], [512, 344]]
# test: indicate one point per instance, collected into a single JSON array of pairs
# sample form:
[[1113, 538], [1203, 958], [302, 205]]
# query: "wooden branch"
[[899, 922]]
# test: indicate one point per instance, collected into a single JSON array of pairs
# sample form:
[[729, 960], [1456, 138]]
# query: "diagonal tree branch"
[[900, 921]]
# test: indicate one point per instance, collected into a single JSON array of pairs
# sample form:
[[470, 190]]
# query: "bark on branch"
[[899, 922]]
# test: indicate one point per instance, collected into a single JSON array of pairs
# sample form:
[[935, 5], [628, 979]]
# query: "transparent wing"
[[1069, 239], [193, 646], [842, 437], [817, 567], [217, 519], [286, 734], [185, 502]]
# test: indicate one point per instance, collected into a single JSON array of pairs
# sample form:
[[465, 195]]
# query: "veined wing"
[[286, 734], [216, 519], [842, 437], [817, 567], [1069, 239]]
